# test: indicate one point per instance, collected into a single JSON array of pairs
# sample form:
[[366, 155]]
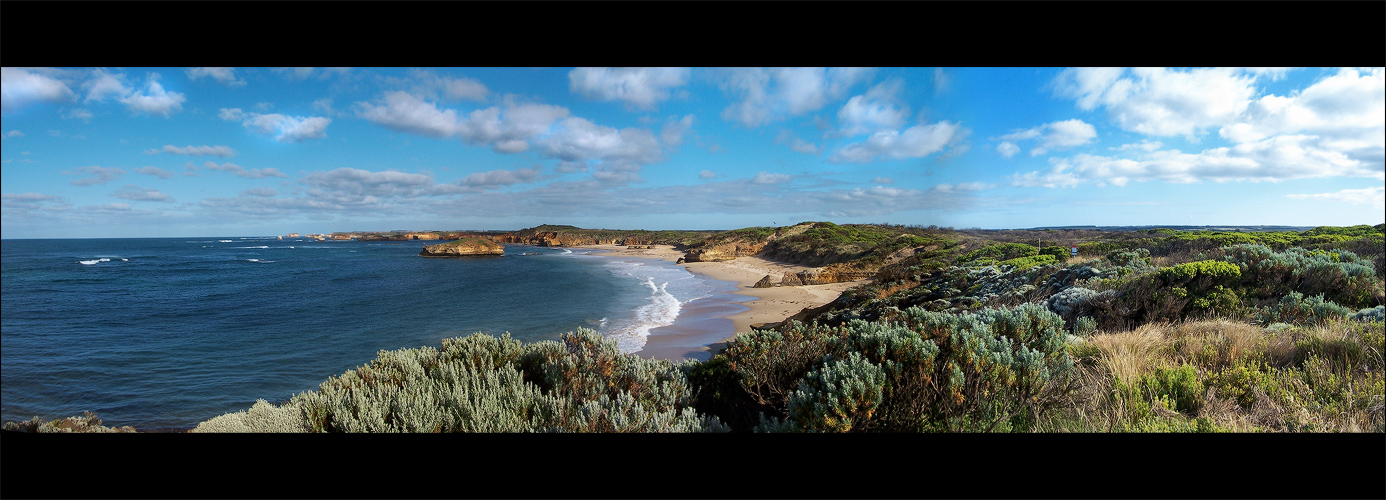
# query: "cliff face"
[[556, 239], [724, 251], [463, 247]]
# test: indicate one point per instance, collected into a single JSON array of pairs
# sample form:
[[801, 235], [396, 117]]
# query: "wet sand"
[[704, 325]]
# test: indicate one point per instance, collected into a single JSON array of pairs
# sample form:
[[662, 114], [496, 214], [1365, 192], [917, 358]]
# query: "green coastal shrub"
[[993, 370], [1023, 263], [1297, 309], [480, 383]]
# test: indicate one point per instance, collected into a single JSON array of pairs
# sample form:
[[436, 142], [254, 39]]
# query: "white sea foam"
[[261, 246], [89, 262], [662, 309], [224, 241]]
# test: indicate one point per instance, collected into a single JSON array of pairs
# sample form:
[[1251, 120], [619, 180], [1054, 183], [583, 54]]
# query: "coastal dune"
[[768, 305]]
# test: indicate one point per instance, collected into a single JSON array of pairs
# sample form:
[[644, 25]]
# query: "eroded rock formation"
[[463, 247]]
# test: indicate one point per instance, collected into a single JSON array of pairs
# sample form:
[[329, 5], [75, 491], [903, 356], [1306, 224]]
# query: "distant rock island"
[[463, 247]]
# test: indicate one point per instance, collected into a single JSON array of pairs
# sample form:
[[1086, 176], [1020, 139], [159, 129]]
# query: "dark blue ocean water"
[[168, 332]]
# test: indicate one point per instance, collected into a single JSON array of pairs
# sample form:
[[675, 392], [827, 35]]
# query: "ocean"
[[163, 333]]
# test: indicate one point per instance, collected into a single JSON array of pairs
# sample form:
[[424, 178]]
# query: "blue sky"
[[155, 152]]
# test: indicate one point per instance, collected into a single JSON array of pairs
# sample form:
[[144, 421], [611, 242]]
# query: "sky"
[[251, 151]]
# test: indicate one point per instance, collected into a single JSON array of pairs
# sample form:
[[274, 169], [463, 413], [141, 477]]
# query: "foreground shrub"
[[486, 384], [994, 370]]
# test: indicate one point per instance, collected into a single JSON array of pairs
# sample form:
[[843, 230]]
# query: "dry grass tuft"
[[1214, 344], [1128, 355]]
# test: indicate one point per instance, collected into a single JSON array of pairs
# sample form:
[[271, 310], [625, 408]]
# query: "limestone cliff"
[[463, 247]]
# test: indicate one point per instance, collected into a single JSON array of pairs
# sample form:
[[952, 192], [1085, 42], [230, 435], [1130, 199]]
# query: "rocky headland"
[[463, 248]]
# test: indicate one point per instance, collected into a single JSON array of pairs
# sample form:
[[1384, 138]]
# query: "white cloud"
[[771, 94], [99, 175], [231, 114], [882, 180], [915, 142], [404, 112], [510, 129], [1369, 196], [640, 88], [966, 187], [77, 113], [1056, 177], [430, 85], [495, 178], [284, 128], [103, 84], [769, 178], [136, 193], [797, 144], [879, 108], [221, 151], [20, 88], [258, 173], [1056, 135], [1160, 101], [576, 140], [154, 171], [1273, 159], [263, 192], [350, 186], [226, 76], [154, 100], [674, 130], [1007, 149], [707, 174], [14, 133], [1346, 110]]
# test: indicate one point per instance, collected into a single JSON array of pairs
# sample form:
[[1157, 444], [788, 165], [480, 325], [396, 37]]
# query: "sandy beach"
[[766, 305]]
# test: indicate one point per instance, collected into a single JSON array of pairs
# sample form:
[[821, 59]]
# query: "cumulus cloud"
[[1347, 111], [404, 112], [879, 108], [103, 84], [263, 192], [258, 173], [707, 174], [771, 94], [281, 127], [97, 175], [638, 88], [1007, 149], [914, 142], [21, 87], [154, 171], [577, 140], [14, 133], [154, 100], [430, 85], [1056, 135], [136, 193], [226, 76], [221, 151], [1368, 196], [1160, 101]]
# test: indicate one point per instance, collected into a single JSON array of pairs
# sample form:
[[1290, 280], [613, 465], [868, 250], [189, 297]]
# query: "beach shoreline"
[[765, 305]]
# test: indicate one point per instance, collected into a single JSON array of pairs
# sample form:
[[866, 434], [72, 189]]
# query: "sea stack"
[[463, 247]]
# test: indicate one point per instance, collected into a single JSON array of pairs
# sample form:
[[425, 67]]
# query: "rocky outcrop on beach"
[[463, 247], [724, 251], [765, 282], [790, 279]]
